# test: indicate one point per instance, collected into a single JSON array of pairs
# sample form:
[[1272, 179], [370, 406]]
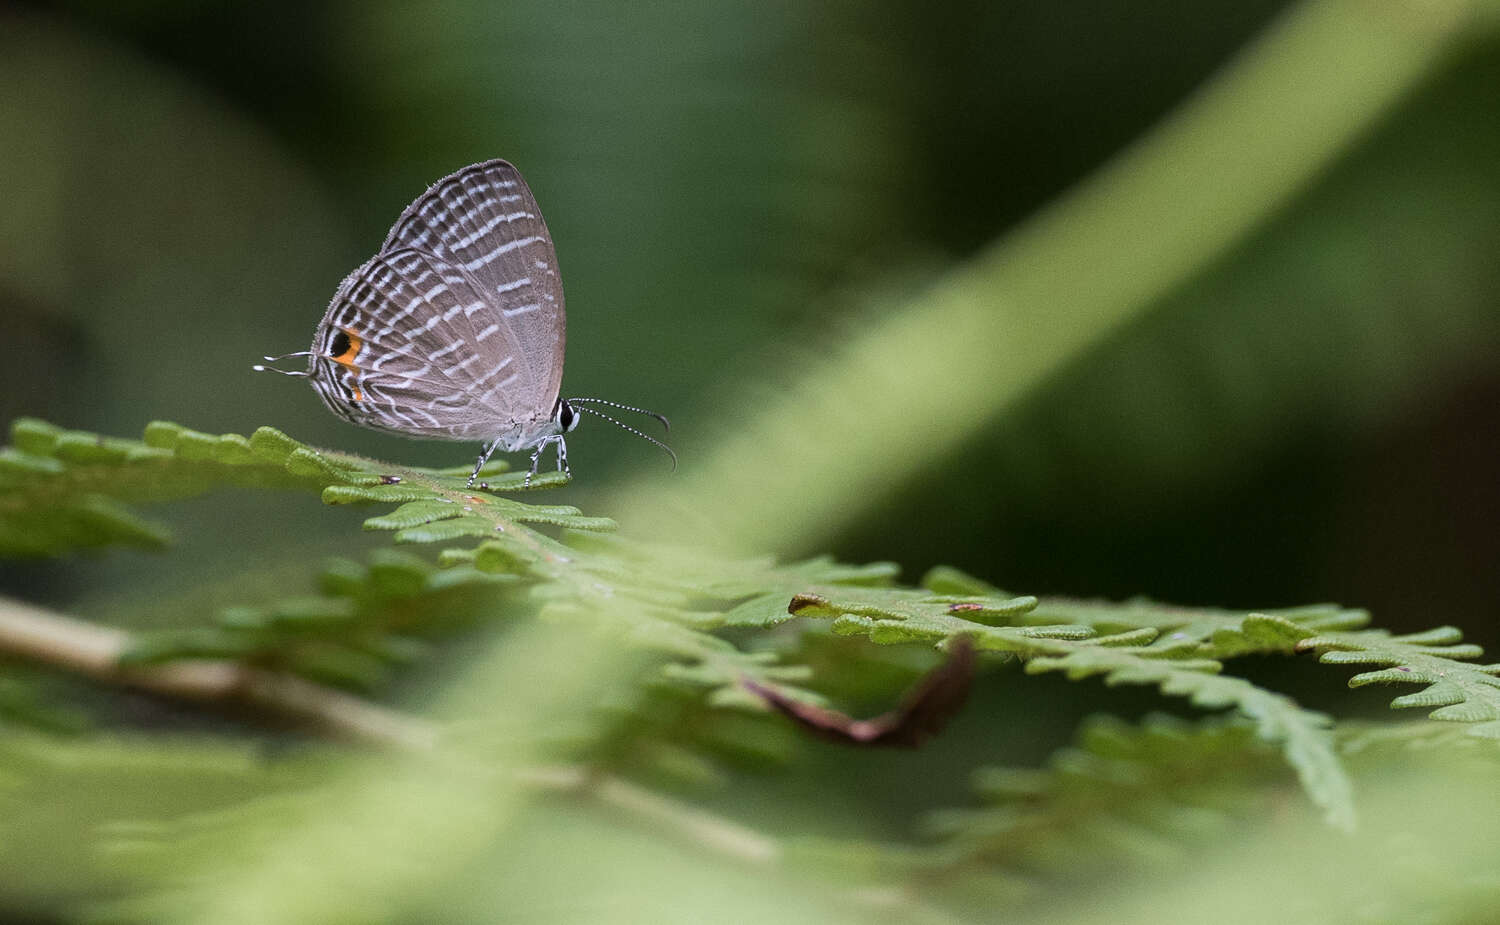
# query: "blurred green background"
[[733, 187], [1303, 409]]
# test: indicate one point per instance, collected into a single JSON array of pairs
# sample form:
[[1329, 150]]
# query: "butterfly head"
[[566, 418]]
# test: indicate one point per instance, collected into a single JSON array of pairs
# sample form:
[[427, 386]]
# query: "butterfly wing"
[[484, 221], [410, 345]]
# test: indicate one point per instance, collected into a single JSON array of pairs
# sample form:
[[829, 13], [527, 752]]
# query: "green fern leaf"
[[1457, 689], [894, 616], [1140, 795], [670, 602], [62, 490]]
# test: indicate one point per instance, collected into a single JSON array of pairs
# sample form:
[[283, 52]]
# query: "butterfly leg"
[[562, 457], [484, 457], [536, 459]]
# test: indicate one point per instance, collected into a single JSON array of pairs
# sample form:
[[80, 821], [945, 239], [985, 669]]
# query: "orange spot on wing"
[[347, 357]]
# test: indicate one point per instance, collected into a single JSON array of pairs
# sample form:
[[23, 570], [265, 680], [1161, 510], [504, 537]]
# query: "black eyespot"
[[339, 345]]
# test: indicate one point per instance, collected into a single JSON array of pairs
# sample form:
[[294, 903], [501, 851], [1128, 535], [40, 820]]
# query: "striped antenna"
[[666, 424], [623, 426]]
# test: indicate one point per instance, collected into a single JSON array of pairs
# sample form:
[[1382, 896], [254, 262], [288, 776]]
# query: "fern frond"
[[362, 620], [1127, 656], [1212, 632], [1304, 735], [62, 490], [365, 619], [1143, 794], [1123, 795], [1459, 690]]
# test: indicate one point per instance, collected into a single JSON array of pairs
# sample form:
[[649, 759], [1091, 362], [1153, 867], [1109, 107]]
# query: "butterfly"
[[455, 329]]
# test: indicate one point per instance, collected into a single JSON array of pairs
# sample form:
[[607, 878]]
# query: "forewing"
[[484, 221], [407, 346]]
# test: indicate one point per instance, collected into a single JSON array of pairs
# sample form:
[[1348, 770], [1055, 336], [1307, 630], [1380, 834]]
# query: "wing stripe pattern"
[[401, 378], [479, 263], [455, 328]]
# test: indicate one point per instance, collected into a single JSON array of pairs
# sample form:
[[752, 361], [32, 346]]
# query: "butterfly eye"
[[567, 418]]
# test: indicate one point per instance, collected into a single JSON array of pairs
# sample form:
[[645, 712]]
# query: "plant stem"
[[88, 649], [94, 651]]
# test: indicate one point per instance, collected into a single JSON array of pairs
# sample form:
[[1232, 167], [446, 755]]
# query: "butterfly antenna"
[[285, 356], [666, 424], [623, 426]]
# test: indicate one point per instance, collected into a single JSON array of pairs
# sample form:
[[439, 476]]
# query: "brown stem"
[[94, 651]]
